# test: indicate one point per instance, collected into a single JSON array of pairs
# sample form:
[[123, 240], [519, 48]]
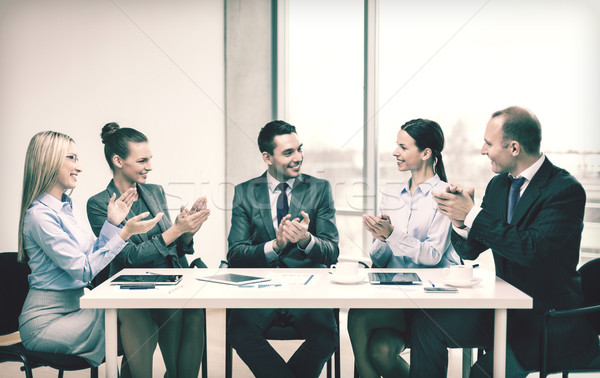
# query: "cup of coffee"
[[345, 269], [458, 273]]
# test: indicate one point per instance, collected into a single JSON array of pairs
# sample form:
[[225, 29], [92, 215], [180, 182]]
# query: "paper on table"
[[292, 278]]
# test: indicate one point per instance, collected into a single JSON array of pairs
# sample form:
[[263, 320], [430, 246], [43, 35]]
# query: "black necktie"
[[513, 196], [282, 202]]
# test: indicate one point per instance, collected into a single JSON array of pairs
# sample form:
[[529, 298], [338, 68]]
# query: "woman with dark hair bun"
[[408, 233], [180, 332]]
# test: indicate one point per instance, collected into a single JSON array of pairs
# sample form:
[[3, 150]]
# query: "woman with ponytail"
[[408, 233]]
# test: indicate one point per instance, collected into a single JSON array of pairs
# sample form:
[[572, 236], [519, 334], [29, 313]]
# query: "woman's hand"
[[118, 210], [136, 225], [190, 221], [200, 204], [380, 227]]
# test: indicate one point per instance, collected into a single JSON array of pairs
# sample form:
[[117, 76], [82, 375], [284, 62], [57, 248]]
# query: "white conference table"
[[319, 292]]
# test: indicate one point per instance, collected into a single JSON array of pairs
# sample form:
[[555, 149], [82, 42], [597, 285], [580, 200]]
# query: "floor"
[[216, 356]]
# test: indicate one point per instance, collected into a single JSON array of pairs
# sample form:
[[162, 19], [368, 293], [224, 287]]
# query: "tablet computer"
[[394, 278], [147, 279], [233, 279]]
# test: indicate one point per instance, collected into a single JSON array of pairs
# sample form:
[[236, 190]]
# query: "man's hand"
[[296, 231], [280, 239], [455, 203], [380, 227]]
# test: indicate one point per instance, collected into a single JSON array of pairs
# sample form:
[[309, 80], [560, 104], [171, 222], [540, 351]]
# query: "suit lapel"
[[263, 203], [153, 206], [533, 191], [298, 193]]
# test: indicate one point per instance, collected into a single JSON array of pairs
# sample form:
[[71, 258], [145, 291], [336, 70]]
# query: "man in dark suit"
[[531, 218], [283, 219]]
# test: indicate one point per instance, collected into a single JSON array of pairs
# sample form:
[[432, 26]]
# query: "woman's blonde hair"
[[44, 159]]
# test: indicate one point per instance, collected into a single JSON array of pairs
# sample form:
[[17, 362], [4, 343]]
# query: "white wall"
[[157, 66]]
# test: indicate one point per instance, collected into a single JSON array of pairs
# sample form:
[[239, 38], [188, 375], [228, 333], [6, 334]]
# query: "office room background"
[[201, 77]]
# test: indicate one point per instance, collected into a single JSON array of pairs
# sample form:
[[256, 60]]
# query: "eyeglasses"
[[73, 157]]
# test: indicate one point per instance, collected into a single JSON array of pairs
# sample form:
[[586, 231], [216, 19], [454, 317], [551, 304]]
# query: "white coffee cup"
[[458, 273], [345, 269]]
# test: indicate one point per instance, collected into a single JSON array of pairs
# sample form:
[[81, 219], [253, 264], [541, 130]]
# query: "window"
[[325, 102], [455, 63]]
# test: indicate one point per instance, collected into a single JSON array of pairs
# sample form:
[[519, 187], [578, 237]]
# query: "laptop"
[[394, 279]]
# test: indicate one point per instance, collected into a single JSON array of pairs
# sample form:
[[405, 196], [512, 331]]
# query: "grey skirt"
[[51, 321]]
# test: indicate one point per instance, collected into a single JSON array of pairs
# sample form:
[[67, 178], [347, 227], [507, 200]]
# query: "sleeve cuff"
[[109, 230], [462, 232], [394, 237], [470, 218], [270, 253], [310, 245]]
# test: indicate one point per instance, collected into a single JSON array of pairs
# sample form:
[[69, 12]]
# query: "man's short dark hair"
[[270, 131], [521, 125]]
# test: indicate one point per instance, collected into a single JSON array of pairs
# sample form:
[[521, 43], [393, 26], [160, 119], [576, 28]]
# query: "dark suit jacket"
[[252, 225], [538, 253], [141, 251]]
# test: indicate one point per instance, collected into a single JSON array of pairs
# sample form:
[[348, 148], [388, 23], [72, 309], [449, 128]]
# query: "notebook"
[[394, 278]]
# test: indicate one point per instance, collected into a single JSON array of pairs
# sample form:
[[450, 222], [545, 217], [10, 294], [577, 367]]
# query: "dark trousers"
[[318, 328], [433, 331]]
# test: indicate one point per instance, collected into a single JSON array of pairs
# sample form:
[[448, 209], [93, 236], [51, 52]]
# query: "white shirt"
[[421, 235]]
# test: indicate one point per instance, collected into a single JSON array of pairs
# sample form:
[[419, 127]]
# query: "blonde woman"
[[57, 242]]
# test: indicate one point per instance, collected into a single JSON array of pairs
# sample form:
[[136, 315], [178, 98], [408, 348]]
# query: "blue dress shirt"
[[421, 236], [62, 250]]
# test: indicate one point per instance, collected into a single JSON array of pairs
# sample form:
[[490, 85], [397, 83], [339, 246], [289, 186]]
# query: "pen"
[[175, 288], [154, 273], [432, 284]]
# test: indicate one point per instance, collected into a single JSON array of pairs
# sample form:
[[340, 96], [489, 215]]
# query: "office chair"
[[590, 282], [277, 332], [13, 290]]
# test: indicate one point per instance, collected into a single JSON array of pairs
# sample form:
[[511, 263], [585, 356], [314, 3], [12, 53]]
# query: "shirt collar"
[[426, 186], [53, 203], [272, 183], [532, 170]]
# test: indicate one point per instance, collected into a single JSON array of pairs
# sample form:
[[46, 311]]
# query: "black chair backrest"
[[590, 282], [13, 290]]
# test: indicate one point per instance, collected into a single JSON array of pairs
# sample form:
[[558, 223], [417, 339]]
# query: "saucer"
[[361, 276], [473, 282]]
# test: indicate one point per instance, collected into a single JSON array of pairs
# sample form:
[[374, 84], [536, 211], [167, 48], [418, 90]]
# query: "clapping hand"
[[380, 227], [280, 239], [136, 225], [455, 203], [296, 230], [188, 222], [118, 209]]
